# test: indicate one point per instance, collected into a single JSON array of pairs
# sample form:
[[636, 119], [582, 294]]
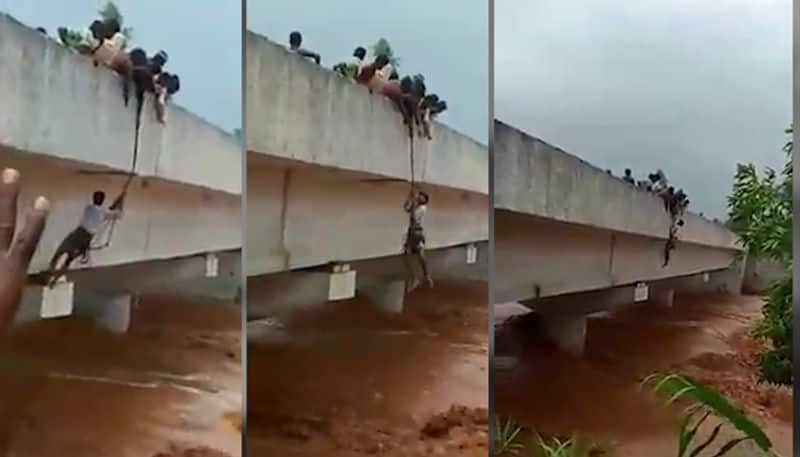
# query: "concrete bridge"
[[328, 171], [571, 240], [64, 125]]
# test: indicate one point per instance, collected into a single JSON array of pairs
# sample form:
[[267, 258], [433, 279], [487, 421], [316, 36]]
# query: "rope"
[[131, 173], [411, 152]]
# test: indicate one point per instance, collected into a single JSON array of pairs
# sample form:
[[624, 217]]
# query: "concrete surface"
[[563, 226], [328, 165], [63, 124]]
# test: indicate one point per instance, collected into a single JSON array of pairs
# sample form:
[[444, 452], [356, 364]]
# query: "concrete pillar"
[[111, 310], [567, 331], [663, 298], [388, 295], [39, 302]]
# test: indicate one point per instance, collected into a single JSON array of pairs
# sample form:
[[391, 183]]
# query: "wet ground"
[[344, 379], [600, 398], [171, 385]]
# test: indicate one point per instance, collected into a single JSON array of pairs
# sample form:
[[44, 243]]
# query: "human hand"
[[16, 253]]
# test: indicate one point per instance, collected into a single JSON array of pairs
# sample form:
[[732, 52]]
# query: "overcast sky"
[[203, 40], [445, 40], [690, 87]]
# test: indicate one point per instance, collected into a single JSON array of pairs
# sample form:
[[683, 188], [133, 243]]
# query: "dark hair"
[[295, 38], [98, 197], [424, 197], [394, 76], [138, 57], [430, 99], [170, 82], [360, 52], [627, 171], [439, 107], [160, 58], [41, 30], [98, 29], [381, 61], [112, 27], [406, 84]]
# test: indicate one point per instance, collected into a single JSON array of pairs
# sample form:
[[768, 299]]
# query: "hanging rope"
[[411, 152], [131, 173]]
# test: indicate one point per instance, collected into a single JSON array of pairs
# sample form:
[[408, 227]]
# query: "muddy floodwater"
[[173, 382], [599, 397], [344, 379]]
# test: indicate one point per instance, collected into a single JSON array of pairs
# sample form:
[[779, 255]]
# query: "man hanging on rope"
[[416, 206], [78, 242]]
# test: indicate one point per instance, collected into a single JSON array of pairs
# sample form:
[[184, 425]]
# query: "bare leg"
[[424, 265], [61, 271], [412, 282]]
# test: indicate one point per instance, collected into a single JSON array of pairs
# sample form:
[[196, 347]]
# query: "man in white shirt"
[[79, 241], [414, 244]]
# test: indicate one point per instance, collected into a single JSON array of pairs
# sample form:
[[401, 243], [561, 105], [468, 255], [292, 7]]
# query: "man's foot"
[[430, 282], [411, 285]]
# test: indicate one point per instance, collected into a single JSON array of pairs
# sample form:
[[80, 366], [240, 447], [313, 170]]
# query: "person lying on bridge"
[[79, 241], [16, 251], [166, 85], [353, 67], [111, 48], [429, 108], [416, 206], [295, 40], [372, 71], [413, 94]]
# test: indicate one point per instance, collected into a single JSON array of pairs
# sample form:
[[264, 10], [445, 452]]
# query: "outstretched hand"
[[16, 253]]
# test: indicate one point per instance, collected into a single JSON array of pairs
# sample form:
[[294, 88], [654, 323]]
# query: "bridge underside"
[[278, 292], [537, 258], [302, 216]]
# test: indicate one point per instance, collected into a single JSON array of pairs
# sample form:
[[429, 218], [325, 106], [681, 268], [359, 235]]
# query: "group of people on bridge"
[[417, 108], [408, 94], [105, 42], [675, 203]]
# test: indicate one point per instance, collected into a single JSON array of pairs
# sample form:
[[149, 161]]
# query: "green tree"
[[760, 210], [382, 47], [109, 11]]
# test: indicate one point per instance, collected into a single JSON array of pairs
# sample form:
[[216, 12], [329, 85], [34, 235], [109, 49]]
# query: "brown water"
[[344, 379], [599, 396], [71, 389]]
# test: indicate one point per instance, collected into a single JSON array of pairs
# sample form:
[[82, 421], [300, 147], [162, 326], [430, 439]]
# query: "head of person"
[[441, 106], [627, 172], [671, 190], [406, 84], [160, 59], [98, 29], [41, 30], [360, 53], [138, 57], [430, 100], [98, 197], [394, 76], [422, 198], [295, 39], [381, 61], [112, 27]]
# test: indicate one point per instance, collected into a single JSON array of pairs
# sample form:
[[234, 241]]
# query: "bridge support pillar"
[[664, 298], [387, 294], [111, 310], [567, 331]]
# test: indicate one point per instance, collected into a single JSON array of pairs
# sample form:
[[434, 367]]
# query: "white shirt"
[[95, 216], [418, 214]]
